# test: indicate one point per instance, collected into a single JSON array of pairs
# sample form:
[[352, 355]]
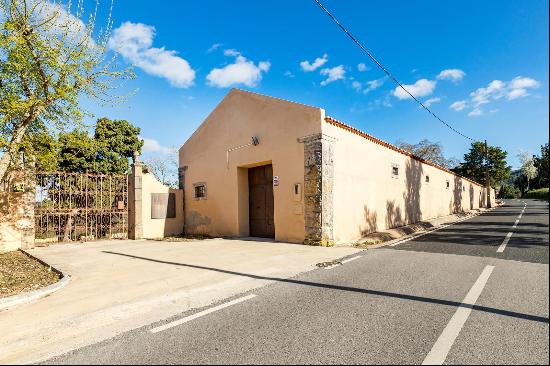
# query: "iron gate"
[[80, 207]]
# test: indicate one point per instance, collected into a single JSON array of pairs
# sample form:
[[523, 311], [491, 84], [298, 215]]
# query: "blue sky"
[[187, 55]]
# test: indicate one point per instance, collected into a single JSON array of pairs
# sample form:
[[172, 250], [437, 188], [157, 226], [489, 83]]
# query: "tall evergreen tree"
[[474, 165]]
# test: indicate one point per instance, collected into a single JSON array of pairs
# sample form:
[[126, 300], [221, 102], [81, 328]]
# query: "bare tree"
[[431, 151], [164, 167]]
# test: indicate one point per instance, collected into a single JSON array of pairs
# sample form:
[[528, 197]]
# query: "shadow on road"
[[350, 289]]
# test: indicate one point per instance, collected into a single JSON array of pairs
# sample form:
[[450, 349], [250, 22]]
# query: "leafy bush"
[[508, 191], [539, 194]]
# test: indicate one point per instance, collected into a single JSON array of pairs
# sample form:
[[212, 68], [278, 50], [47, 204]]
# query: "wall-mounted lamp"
[[254, 142]]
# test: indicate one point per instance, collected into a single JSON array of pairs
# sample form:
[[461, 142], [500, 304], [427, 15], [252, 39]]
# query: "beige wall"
[[158, 228], [278, 124], [368, 198]]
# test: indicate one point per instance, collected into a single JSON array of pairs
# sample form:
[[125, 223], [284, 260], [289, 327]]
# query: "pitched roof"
[[365, 135]]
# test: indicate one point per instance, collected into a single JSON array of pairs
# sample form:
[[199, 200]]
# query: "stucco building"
[[262, 166]]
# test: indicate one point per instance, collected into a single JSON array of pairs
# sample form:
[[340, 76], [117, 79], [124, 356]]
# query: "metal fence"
[[80, 207]]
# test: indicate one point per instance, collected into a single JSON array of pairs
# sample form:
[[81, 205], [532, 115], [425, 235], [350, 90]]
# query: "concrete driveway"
[[117, 286]]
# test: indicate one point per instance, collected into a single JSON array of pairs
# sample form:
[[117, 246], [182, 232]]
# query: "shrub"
[[508, 191], [539, 194]]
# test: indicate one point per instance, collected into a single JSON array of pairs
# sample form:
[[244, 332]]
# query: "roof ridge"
[[378, 141], [272, 97]]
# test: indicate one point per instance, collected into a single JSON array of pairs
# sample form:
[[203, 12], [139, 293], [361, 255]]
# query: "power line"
[[388, 73]]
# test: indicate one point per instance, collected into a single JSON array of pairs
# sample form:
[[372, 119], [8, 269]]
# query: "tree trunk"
[[16, 140]]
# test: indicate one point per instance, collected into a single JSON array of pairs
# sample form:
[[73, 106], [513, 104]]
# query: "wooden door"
[[260, 188]]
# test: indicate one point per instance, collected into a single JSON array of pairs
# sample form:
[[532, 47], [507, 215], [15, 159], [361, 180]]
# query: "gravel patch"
[[20, 273]]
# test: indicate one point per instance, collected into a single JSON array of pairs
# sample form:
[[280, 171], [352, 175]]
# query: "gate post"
[[135, 201], [28, 231]]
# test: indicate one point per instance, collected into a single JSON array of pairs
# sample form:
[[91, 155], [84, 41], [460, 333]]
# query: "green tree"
[[49, 60], [542, 164], [474, 165], [77, 152], [116, 140], [509, 191], [45, 150]]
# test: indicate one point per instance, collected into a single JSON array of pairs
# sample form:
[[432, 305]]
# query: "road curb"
[[24, 298], [424, 232]]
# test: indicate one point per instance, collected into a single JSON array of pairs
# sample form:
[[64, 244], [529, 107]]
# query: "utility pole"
[[487, 183]]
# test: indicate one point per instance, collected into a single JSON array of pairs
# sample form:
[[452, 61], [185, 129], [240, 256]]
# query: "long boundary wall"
[[377, 186]]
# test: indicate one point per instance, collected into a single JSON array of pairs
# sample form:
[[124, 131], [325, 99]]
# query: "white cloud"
[[242, 71], [214, 47], [520, 82], [422, 88], [356, 85], [451, 74], [231, 52], [516, 93], [134, 42], [517, 87], [333, 74], [476, 112], [362, 67], [319, 61], [152, 145], [514, 89], [289, 74], [59, 22], [459, 105], [495, 90], [431, 101], [374, 84]]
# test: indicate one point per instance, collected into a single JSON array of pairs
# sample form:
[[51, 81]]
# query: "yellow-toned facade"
[[329, 183]]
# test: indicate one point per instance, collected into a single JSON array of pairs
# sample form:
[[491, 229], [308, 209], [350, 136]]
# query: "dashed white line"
[[505, 242], [351, 259], [442, 346], [201, 314], [343, 262]]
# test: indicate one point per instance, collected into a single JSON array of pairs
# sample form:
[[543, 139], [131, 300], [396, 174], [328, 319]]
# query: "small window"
[[427, 179], [448, 184], [395, 171], [199, 191]]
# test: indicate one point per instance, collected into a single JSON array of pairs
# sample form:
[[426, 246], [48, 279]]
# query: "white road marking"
[[201, 314], [344, 262], [351, 259], [443, 345], [505, 242], [515, 224]]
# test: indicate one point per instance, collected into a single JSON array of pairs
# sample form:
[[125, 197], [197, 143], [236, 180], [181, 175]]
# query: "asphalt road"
[[450, 296]]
